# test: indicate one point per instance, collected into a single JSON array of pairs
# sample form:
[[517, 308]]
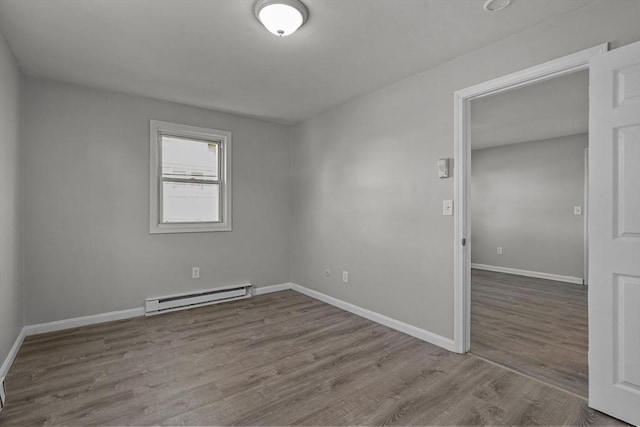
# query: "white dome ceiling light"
[[281, 17], [495, 5]]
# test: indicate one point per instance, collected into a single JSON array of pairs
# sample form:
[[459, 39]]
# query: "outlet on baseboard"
[[3, 394], [195, 273], [499, 250]]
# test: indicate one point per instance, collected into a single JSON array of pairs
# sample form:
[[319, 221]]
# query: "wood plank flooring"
[[534, 326], [276, 359]]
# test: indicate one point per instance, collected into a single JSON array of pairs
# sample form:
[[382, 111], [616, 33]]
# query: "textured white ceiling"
[[214, 54], [550, 109]]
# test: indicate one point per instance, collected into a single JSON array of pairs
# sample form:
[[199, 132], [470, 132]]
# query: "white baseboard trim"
[[271, 288], [8, 361], [527, 273], [408, 329], [76, 322]]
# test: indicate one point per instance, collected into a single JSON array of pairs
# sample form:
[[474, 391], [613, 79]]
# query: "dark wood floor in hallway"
[[534, 326], [276, 359]]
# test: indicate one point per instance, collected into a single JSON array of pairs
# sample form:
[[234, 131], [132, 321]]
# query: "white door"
[[614, 233]]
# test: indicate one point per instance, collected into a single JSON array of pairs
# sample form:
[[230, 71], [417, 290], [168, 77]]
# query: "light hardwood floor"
[[534, 326], [276, 359]]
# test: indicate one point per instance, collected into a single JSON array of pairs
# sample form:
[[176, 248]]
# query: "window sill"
[[188, 228]]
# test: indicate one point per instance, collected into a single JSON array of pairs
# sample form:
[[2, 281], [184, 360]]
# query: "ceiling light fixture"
[[495, 5], [281, 17]]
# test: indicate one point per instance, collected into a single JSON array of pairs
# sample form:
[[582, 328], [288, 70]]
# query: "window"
[[190, 187]]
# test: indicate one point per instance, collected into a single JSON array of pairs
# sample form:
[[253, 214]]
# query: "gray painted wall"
[[366, 193], [87, 247], [11, 301], [522, 199]]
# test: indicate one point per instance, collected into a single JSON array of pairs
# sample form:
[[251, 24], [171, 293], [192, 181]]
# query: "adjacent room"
[[528, 230], [306, 212]]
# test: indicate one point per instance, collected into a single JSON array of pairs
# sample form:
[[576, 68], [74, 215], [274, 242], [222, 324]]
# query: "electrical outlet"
[[195, 273], [345, 277], [577, 210], [499, 250], [327, 273]]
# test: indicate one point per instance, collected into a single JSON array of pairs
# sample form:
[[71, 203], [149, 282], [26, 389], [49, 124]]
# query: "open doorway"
[[462, 169], [613, 246], [528, 230]]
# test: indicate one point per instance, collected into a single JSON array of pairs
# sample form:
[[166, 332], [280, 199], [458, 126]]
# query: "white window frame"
[[220, 137]]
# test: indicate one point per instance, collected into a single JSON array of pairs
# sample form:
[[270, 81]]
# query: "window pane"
[[185, 202], [189, 159]]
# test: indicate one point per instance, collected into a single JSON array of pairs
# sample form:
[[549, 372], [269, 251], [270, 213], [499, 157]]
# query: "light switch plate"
[[447, 207]]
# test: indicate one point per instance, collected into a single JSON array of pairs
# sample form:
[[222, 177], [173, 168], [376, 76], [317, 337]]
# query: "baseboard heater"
[[196, 299]]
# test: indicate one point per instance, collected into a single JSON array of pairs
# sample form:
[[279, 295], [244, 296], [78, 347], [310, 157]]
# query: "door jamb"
[[585, 211], [462, 171]]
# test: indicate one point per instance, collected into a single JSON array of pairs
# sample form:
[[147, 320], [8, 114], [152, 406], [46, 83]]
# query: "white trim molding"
[[8, 361], [262, 290], [414, 331], [76, 322], [462, 171], [527, 273]]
